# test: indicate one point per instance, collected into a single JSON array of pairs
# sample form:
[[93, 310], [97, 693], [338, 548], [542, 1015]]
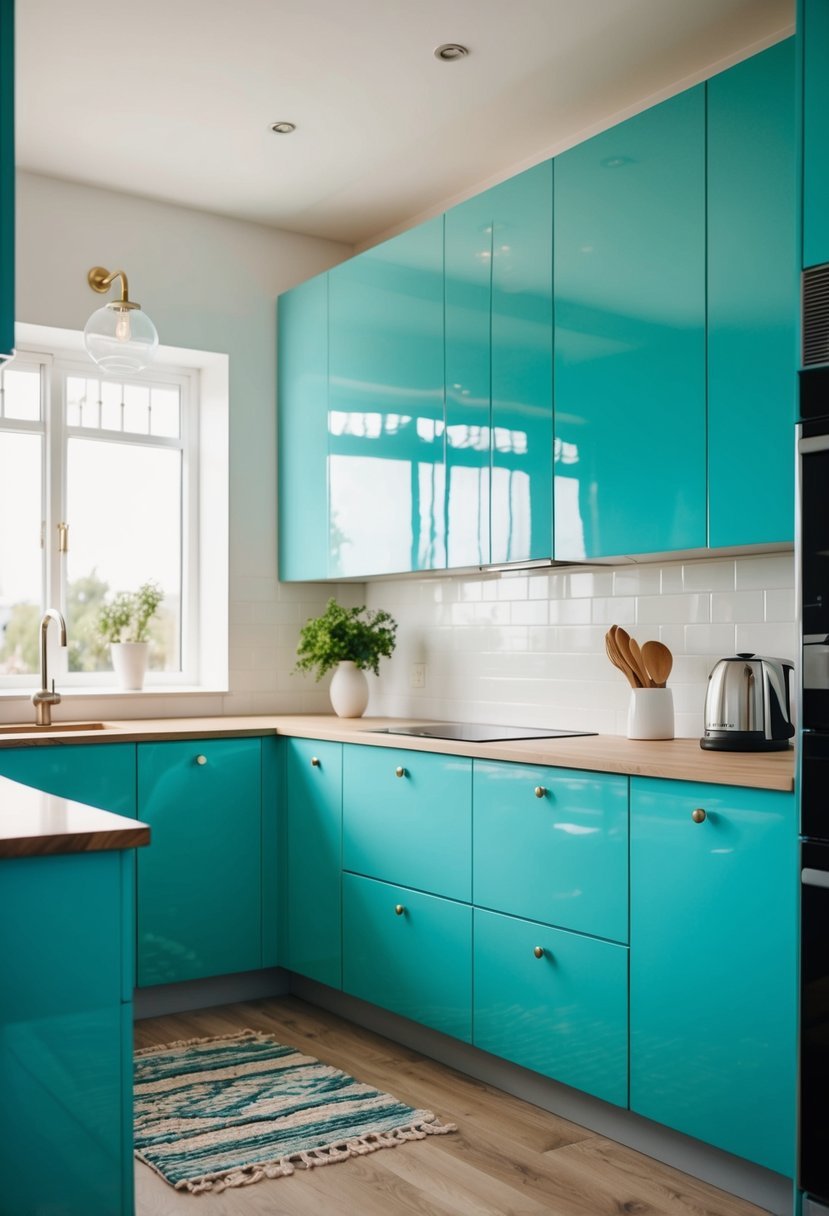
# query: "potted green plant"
[[351, 640], [124, 622]]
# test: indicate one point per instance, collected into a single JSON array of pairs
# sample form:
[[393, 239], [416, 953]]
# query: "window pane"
[[21, 394], [82, 401], [137, 408], [111, 410], [164, 418], [124, 510], [21, 562]]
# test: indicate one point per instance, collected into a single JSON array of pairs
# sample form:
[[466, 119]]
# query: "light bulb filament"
[[123, 329]]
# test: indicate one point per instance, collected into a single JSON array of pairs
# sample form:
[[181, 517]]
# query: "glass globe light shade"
[[120, 340]]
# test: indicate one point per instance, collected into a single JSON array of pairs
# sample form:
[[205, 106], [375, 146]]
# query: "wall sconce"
[[119, 337]]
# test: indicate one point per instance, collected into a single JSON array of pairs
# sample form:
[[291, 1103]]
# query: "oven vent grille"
[[816, 315]]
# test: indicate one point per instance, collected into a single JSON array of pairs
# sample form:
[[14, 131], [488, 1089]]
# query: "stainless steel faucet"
[[46, 697]]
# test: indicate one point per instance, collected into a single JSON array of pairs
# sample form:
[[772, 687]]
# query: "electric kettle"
[[747, 705]]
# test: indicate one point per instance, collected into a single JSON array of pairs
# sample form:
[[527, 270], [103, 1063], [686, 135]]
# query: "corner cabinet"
[[713, 951], [6, 179], [813, 38]]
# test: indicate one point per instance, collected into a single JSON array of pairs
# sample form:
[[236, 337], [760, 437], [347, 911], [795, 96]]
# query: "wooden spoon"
[[618, 658], [622, 640], [658, 661], [639, 662]]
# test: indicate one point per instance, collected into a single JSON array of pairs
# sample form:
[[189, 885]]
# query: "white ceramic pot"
[[349, 690], [129, 661], [651, 714]]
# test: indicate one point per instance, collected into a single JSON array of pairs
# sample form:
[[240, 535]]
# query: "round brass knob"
[[315, 762], [201, 759], [539, 952], [698, 815], [399, 909], [400, 771], [540, 791]]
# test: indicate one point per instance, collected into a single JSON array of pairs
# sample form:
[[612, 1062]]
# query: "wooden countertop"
[[35, 824], [676, 759]]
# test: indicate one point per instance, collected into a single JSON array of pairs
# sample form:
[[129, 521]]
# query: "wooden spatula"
[[658, 661]]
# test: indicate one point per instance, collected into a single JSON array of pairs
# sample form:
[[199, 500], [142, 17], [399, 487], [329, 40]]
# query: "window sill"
[[88, 692]]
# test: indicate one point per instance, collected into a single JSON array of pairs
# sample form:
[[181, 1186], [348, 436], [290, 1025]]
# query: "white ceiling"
[[172, 99]]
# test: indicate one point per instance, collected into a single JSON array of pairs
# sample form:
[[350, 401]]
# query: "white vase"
[[129, 661], [651, 714], [349, 690]]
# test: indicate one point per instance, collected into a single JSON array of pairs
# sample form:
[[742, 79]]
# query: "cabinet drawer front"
[[199, 882], [563, 1014], [416, 961], [561, 857], [713, 956], [313, 776], [414, 829], [101, 775]]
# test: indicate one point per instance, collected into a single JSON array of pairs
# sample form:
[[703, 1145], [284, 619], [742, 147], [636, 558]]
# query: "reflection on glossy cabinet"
[[302, 363], [313, 783], [6, 178], [752, 299], [629, 271], [385, 407], [713, 957], [200, 881], [101, 775], [409, 952], [813, 34]]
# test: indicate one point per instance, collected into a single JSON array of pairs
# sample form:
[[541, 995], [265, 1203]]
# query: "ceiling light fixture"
[[450, 51], [119, 337], [283, 128]]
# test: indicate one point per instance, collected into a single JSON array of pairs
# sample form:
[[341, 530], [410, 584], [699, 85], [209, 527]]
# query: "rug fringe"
[[339, 1150], [211, 1038]]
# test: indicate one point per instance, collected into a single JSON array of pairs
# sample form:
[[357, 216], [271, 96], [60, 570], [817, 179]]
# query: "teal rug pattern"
[[230, 1111]]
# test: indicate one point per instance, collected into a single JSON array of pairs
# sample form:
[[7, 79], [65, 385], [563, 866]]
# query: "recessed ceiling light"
[[283, 128], [450, 51]]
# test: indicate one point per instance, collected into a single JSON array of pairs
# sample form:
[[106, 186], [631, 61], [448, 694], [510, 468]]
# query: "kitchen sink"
[[31, 728]]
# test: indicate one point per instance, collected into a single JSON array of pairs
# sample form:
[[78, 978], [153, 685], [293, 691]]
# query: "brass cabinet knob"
[[540, 791], [201, 759], [539, 952], [698, 815], [315, 762], [399, 909], [400, 771]]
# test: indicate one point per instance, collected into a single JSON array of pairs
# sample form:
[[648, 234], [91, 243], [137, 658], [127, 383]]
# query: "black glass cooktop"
[[474, 732]]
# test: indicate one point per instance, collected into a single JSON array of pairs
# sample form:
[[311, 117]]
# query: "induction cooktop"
[[474, 732]]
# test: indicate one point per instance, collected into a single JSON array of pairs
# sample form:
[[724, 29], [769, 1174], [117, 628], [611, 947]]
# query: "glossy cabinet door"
[[407, 818], [101, 775], [302, 397], [752, 299], [553, 1001], [409, 952], [6, 178], [552, 845], [813, 36], [385, 407], [200, 881], [66, 1063], [313, 782], [499, 310], [713, 951], [629, 275]]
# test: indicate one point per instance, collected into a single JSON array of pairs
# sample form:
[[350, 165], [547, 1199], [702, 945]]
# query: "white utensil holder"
[[651, 714]]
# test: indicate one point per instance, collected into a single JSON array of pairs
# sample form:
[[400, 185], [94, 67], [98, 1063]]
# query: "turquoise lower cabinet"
[[101, 775], [813, 38], [200, 881], [7, 250], [66, 923], [407, 818], [713, 949], [552, 845], [313, 783], [409, 952], [753, 299], [553, 1001]]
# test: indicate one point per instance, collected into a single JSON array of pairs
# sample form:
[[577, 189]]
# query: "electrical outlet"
[[418, 677]]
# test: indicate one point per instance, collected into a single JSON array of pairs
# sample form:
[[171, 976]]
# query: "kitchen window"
[[98, 494]]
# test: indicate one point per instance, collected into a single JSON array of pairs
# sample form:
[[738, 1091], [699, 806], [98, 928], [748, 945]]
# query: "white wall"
[[209, 283], [528, 648]]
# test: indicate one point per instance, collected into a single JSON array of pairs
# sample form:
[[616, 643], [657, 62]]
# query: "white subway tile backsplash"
[[777, 639], [780, 605], [708, 576], [770, 570], [670, 609], [709, 639], [733, 606], [637, 580]]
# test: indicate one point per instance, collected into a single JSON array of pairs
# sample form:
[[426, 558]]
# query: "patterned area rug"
[[229, 1111]]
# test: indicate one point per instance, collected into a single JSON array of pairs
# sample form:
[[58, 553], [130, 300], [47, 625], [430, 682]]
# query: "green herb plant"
[[127, 617], [360, 635]]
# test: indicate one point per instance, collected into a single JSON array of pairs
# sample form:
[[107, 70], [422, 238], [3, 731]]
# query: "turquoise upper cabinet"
[[499, 372], [99, 775], [629, 222], [303, 430], [752, 299], [385, 407], [713, 951], [6, 178], [813, 32]]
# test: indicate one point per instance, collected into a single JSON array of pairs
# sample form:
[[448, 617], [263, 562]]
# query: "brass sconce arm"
[[100, 279]]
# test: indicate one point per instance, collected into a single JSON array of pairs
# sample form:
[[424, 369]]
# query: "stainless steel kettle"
[[747, 705]]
